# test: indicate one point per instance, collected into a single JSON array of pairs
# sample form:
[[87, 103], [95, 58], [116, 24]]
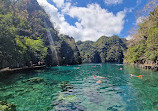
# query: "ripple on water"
[[68, 88]]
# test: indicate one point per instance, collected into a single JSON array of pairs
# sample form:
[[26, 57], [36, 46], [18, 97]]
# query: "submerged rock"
[[96, 98], [34, 80], [66, 102], [4, 106], [69, 98], [114, 108], [155, 105], [93, 95], [70, 107], [9, 96], [151, 82], [65, 86]]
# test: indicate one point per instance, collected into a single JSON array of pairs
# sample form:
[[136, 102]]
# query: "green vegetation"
[[18, 42], [105, 49], [143, 48], [27, 36]]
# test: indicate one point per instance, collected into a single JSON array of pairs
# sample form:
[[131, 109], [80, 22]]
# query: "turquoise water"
[[73, 88]]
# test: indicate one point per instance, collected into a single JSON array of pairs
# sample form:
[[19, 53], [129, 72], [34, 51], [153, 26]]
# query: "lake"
[[74, 88]]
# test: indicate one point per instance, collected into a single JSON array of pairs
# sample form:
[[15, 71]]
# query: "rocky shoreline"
[[153, 67], [17, 70], [145, 66]]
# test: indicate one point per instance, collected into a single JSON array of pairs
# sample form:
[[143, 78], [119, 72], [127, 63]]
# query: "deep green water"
[[73, 88]]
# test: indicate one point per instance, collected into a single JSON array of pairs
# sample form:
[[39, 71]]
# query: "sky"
[[91, 19]]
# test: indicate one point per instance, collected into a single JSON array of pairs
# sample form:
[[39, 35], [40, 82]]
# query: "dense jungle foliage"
[[105, 49], [143, 48], [27, 36]]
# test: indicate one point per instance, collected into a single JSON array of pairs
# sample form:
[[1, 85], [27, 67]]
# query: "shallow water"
[[67, 88]]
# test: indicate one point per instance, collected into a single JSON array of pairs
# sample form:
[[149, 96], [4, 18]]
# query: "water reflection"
[[67, 88]]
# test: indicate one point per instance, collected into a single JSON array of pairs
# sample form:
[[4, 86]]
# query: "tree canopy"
[[144, 45]]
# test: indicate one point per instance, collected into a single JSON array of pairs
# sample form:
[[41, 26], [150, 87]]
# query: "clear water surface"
[[73, 88]]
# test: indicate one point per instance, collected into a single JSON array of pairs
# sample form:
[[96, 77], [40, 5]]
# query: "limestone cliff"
[[105, 49]]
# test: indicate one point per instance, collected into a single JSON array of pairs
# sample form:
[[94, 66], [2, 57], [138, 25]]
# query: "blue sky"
[[91, 19]]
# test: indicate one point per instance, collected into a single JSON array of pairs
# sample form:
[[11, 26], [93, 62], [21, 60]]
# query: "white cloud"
[[138, 2], [93, 21], [128, 37], [140, 20], [113, 2], [59, 3], [129, 10]]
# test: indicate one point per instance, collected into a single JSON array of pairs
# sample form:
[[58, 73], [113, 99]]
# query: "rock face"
[[147, 64], [65, 52], [4, 106], [62, 49], [35, 40], [69, 51], [143, 47], [105, 49]]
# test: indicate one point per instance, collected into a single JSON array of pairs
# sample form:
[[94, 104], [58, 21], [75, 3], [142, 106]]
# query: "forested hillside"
[[105, 49], [27, 37], [143, 48]]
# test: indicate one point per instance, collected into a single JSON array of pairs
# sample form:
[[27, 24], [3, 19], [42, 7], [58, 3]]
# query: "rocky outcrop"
[[65, 52], [69, 52], [143, 47], [4, 106], [147, 64], [39, 41]]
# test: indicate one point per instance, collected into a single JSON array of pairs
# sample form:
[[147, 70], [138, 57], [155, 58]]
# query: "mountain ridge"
[[99, 51]]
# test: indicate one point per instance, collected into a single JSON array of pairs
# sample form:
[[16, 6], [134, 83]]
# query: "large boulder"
[[4, 106]]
